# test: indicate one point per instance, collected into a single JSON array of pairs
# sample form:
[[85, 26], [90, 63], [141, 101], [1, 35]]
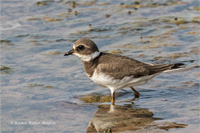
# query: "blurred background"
[[43, 91]]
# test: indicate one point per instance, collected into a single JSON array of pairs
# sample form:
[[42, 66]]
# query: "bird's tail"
[[164, 68], [177, 66]]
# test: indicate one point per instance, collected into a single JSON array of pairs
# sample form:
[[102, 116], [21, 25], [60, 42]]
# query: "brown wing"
[[121, 66]]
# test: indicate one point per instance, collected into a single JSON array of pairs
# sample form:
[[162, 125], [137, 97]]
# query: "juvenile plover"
[[115, 71]]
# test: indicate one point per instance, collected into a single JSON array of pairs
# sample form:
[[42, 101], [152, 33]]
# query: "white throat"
[[88, 57]]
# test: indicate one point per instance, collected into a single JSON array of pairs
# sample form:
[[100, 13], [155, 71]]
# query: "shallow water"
[[40, 88]]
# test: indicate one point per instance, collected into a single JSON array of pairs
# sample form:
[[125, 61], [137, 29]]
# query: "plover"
[[115, 71]]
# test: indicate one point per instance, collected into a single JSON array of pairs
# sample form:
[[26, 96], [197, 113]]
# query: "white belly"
[[116, 84]]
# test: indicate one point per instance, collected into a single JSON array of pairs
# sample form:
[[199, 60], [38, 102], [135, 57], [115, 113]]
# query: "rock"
[[2, 68], [50, 19], [96, 98], [5, 69], [6, 42]]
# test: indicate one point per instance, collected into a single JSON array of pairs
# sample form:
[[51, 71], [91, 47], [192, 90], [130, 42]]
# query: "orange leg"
[[113, 98], [137, 94]]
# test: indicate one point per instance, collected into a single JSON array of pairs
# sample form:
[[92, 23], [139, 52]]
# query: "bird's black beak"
[[69, 52]]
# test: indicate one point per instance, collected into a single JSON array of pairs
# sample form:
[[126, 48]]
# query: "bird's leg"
[[113, 98], [137, 94]]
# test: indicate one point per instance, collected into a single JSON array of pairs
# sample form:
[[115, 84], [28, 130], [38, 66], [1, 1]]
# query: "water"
[[40, 88]]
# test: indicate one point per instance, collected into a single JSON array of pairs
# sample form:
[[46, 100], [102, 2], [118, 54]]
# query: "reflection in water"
[[120, 118], [117, 118]]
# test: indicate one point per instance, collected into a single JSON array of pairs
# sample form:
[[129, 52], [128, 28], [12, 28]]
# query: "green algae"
[[5, 69], [96, 98]]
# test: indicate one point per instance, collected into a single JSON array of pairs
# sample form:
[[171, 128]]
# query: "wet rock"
[[169, 32], [35, 85], [2, 68], [108, 15], [178, 55], [131, 6], [105, 3], [191, 84], [100, 98], [196, 109], [129, 12], [73, 4], [187, 82], [6, 42], [34, 41], [167, 125], [50, 19], [24, 35], [96, 98], [37, 36], [69, 10], [141, 55], [195, 85], [37, 43], [142, 4], [192, 32], [75, 13], [195, 50], [99, 29], [87, 3], [196, 19], [64, 15], [33, 18], [182, 27], [197, 8], [174, 20], [48, 86], [167, 57], [179, 21], [5, 69], [43, 3], [60, 40]]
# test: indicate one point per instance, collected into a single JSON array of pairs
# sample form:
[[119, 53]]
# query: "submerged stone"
[[5, 69], [196, 19], [168, 125], [2, 68], [43, 3], [6, 42], [96, 98], [197, 8], [174, 20], [50, 19], [35, 85]]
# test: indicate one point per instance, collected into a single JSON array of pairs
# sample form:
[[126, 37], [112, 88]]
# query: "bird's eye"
[[80, 47]]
